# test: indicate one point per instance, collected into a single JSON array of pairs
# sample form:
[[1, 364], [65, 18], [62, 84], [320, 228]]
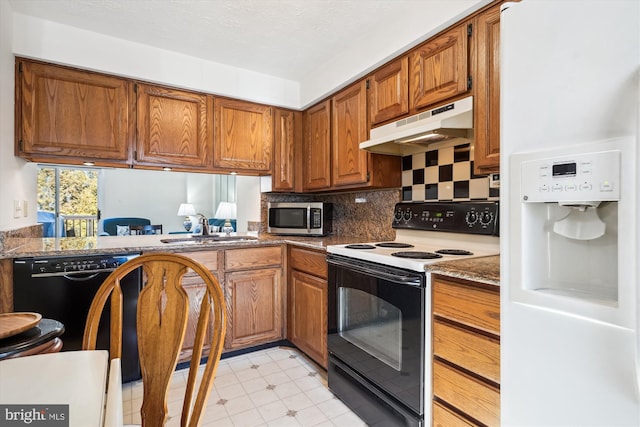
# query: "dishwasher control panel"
[[43, 267]]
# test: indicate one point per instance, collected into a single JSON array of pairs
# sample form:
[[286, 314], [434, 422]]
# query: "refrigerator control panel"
[[572, 178]]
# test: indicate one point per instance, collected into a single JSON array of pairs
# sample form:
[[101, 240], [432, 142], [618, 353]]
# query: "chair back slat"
[[162, 317]]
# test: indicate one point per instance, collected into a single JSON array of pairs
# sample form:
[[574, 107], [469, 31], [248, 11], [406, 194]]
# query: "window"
[[68, 201]]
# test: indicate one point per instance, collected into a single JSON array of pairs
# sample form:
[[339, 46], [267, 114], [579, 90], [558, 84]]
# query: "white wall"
[[359, 57], [40, 39], [247, 200], [17, 178]]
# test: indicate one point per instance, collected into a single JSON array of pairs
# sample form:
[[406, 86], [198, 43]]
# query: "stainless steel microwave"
[[300, 218]]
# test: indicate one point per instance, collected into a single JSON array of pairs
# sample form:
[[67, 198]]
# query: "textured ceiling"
[[282, 38]]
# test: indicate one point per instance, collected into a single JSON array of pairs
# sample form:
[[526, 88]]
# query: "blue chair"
[[48, 220], [109, 225]]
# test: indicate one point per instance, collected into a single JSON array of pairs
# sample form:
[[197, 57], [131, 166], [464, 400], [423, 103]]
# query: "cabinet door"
[[173, 127], [308, 315], [254, 304], [287, 142], [317, 147], [389, 91], [196, 290], [438, 69], [243, 136], [486, 110], [349, 128], [71, 113]]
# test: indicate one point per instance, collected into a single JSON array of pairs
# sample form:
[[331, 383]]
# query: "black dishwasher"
[[62, 288]]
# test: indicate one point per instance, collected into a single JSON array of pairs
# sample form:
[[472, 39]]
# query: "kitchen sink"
[[208, 239]]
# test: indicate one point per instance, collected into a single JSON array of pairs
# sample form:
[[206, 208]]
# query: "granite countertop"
[[484, 269], [33, 247]]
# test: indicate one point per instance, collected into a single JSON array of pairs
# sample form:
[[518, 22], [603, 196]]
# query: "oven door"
[[376, 326]]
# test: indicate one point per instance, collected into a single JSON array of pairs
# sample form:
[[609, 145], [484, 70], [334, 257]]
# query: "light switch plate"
[[17, 208]]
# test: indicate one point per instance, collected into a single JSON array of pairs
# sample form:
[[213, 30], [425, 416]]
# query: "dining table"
[[73, 388]]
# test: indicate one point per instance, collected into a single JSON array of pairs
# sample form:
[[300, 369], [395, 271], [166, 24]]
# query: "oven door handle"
[[394, 278]]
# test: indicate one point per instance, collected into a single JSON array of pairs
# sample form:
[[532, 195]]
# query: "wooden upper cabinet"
[[317, 147], [243, 136], [287, 143], [438, 69], [389, 91], [487, 92], [71, 113], [174, 127], [349, 127]]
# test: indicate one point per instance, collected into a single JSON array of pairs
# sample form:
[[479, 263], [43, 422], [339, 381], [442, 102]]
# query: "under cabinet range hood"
[[415, 134]]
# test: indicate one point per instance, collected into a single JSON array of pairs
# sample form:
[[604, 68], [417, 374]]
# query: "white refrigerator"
[[570, 259]]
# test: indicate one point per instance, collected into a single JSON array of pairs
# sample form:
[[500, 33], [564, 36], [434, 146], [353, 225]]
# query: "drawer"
[[469, 395], [312, 262], [474, 352], [207, 258], [469, 305], [250, 258], [443, 417]]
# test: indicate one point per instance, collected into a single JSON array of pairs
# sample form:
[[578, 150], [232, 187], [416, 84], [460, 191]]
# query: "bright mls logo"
[[34, 415]]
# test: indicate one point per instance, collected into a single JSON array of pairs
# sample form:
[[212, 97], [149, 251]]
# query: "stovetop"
[[427, 233]]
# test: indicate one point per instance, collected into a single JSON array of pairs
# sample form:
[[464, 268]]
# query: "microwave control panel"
[[572, 178]]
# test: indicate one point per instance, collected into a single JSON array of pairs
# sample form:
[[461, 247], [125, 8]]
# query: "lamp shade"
[[226, 210], [186, 209]]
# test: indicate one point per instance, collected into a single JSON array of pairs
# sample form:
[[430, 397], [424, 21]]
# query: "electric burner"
[[453, 252], [360, 246], [396, 245], [416, 255]]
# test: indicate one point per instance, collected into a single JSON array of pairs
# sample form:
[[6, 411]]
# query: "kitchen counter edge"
[[484, 269], [73, 246]]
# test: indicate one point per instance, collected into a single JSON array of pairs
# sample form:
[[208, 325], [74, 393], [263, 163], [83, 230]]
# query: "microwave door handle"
[[308, 218]]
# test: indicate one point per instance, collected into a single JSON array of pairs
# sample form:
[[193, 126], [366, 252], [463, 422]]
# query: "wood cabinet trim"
[[243, 133], [389, 91], [252, 258], [349, 127], [173, 127]]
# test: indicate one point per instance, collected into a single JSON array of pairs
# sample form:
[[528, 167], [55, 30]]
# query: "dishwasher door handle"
[[72, 275]]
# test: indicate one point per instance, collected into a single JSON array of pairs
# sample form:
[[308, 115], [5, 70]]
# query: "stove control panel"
[[457, 217]]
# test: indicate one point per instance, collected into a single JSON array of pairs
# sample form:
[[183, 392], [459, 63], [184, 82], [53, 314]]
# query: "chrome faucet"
[[204, 224]]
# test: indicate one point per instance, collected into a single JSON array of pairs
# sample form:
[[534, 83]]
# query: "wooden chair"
[[162, 316]]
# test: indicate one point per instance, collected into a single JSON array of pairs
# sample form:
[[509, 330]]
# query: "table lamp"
[[226, 211], [186, 210]]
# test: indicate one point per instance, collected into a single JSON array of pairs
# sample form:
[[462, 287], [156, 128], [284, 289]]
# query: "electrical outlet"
[[494, 180], [361, 200], [25, 208], [17, 209]]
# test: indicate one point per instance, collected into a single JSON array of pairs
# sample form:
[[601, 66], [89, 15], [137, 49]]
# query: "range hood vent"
[[450, 123]]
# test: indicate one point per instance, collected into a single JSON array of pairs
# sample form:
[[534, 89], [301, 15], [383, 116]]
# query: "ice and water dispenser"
[[567, 209]]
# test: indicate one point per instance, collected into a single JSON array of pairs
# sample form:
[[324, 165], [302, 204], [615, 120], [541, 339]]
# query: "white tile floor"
[[273, 387]]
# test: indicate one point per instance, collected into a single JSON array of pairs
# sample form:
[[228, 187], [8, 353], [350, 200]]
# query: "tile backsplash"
[[444, 174]]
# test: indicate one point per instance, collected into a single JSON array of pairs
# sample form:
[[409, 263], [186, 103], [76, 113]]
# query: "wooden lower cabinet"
[[466, 353], [307, 307], [254, 300], [195, 289], [253, 291]]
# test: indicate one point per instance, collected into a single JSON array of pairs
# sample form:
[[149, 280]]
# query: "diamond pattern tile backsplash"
[[444, 174]]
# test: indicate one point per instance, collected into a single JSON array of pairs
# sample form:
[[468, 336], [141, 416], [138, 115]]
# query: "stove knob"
[[486, 218], [472, 217], [398, 216], [407, 215]]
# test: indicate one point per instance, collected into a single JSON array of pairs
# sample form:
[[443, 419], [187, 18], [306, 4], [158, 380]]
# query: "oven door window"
[[371, 324]]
